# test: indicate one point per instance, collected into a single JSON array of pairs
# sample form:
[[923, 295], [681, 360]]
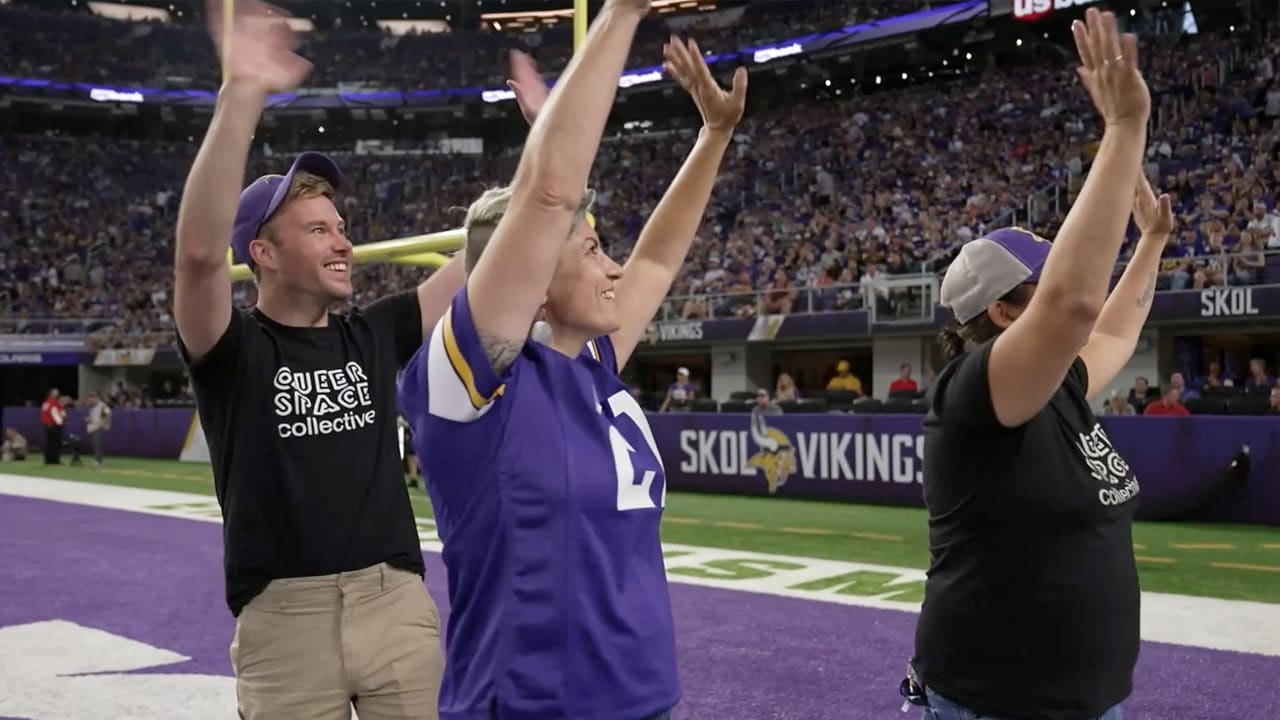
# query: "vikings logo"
[[775, 456]]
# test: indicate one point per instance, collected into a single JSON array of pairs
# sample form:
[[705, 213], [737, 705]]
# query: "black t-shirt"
[[301, 426], [1031, 604]]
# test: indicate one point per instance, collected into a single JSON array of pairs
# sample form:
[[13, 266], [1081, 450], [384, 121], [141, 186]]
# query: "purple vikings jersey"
[[548, 493]]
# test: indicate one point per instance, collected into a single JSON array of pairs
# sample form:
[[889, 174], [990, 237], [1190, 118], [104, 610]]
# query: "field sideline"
[[820, 596], [1236, 562]]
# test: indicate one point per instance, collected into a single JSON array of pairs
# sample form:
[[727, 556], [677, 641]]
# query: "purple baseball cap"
[[264, 196], [988, 268]]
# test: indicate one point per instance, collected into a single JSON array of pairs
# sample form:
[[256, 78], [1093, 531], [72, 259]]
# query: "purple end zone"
[[743, 656]]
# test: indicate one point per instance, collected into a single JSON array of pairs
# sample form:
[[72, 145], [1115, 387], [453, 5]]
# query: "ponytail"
[[956, 339], [951, 342]]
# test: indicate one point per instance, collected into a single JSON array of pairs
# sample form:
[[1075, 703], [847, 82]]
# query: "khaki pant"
[[310, 648]]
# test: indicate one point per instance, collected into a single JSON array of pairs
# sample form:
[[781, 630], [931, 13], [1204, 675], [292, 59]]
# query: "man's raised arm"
[[263, 62]]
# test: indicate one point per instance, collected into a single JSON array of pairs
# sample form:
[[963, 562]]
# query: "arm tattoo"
[[1148, 292], [501, 353]]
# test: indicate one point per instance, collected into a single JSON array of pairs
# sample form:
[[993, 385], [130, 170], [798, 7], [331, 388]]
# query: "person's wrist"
[[629, 9], [722, 133], [1127, 125], [242, 90]]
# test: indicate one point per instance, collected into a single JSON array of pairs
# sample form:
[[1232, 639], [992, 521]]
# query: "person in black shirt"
[[1031, 606], [322, 559]]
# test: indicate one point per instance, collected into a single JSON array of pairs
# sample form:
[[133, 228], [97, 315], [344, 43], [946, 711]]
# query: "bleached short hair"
[[485, 213]]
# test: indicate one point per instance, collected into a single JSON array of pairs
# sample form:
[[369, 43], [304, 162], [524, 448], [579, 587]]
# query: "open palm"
[[1109, 69], [259, 50], [526, 82], [720, 110], [1152, 215]]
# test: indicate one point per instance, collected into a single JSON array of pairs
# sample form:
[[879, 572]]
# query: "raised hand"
[[1154, 217], [527, 83], [1109, 69], [720, 110], [259, 51]]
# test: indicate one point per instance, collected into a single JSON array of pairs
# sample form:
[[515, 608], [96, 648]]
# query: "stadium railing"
[[53, 326], [901, 298]]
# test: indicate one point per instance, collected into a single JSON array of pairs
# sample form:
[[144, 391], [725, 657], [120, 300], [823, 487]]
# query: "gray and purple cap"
[[988, 268], [264, 196]]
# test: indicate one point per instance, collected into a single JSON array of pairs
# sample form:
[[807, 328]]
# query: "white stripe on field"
[[1214, 623]]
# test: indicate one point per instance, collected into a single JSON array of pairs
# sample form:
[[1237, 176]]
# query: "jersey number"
[[632, 495]]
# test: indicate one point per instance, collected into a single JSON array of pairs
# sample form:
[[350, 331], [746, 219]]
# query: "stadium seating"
[[811, 197]]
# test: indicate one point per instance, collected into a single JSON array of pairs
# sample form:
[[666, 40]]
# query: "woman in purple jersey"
[[547, 486]]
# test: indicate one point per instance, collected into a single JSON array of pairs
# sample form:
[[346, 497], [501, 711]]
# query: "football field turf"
[[1240, 562], [785, 609]]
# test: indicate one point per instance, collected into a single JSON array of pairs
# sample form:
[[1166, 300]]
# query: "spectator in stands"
[[1212, 378], [1179, 385], [1139, 393], [1265, 226], [1274, 407], [844, 379], [63, 249], [780, 295], [1168, 406], [785, 388], [14, 447], [875, 289], [1249, 262], [53, 416], [1258, 376], [765, 406], [904, 381], [1117, 406], [98, 422], [1175, 268], [680, 394]]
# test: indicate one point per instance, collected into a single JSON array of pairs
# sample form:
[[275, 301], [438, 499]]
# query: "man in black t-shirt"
[[1031, 606], [322, 559]]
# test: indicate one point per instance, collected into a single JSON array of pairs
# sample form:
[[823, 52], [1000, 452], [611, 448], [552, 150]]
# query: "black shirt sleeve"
[[963, 393], [217, 369], [398, 317], [1078, 377]]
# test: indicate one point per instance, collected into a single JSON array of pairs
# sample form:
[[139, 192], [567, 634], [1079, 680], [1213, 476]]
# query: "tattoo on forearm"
[[1148, 292], [501, 353]]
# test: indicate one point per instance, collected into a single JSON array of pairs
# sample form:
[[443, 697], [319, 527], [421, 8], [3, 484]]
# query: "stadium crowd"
[[46, 43], [817, 204]]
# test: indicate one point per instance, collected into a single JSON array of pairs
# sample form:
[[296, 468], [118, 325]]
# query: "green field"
[[1214, 560]]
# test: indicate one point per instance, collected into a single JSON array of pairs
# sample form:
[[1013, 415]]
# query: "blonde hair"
[[485, 213]]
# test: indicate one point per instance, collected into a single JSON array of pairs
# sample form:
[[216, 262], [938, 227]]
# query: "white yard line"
[[1230, 625]]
